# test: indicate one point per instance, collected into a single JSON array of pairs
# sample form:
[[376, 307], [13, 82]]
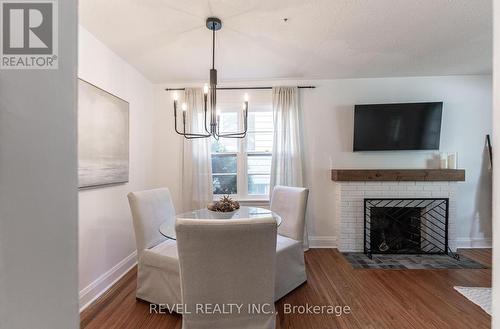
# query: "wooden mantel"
[[397, 175]]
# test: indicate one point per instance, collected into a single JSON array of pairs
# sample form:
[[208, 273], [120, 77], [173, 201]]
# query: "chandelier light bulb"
[[176, 96], [246, 97], [184, 107], [205, 89]]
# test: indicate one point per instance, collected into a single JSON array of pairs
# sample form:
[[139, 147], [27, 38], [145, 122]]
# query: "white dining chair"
[[158, 278], [227, 263], [290, 203]]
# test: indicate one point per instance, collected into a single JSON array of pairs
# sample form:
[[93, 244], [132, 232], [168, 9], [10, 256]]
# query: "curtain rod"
[[243, 88]]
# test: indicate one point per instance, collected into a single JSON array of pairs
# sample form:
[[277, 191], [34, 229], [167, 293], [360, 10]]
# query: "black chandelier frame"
[[212, 128]]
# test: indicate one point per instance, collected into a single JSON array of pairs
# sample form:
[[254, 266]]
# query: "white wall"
[[106, 237], [328, 122], [328, 128], [168, 152], [38, 197]]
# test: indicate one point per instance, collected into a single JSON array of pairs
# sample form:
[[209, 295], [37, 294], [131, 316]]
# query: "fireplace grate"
[[406, 226]]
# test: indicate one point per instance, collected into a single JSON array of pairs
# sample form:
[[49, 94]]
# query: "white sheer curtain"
[[196, 177], [286, 165]]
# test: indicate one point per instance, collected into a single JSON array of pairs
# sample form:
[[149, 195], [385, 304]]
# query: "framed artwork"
[[103, 137]]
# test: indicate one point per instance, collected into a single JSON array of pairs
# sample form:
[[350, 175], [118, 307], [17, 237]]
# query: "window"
[[242, 167], [259, 152]]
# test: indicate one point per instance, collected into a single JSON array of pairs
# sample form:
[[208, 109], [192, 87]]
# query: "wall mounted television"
[[398, 126]]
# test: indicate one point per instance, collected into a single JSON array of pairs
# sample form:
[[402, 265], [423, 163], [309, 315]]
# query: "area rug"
[[411, 262], [479, 296]]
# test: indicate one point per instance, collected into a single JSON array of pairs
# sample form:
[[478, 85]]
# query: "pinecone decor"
[[225, 204]]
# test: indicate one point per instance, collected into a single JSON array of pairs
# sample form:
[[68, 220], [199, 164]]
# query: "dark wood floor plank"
[[399, 299]]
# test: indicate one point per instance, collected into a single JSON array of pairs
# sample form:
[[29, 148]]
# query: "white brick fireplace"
[[349, 199]]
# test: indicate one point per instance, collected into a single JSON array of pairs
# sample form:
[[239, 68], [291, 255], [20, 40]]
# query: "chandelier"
[[211, 126]]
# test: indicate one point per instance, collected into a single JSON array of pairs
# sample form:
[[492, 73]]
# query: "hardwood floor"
[[377, 298]]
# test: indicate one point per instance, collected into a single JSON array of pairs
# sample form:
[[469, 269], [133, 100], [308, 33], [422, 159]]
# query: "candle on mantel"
[[452, 161], [443, 161]]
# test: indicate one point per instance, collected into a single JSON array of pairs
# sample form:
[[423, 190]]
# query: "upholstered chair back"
[[290, 203], [227, 262], [150, 209]]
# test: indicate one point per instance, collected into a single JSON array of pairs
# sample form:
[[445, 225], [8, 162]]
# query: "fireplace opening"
[[406, 226], [395, 229]]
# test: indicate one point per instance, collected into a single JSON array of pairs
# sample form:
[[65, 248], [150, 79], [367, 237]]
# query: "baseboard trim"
[[470, 243], [94, 290], [322, 242]]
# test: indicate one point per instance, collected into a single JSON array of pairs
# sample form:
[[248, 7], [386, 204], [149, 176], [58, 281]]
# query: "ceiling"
[[168, 42]]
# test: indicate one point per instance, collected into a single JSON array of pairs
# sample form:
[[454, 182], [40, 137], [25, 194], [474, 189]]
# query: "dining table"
[[167, 229]]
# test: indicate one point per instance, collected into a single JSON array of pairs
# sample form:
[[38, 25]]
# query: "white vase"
[[221, 214]]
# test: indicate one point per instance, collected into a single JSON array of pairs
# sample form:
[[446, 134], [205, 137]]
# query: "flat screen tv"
[[402, 126]]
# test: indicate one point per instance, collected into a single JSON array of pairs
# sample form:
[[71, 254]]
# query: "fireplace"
[[395, 229], [406, 226]]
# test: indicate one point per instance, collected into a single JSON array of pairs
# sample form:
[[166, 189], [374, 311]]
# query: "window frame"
[[242, 153]]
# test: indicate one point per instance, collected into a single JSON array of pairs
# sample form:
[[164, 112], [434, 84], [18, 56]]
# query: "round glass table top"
[[167, 229]]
